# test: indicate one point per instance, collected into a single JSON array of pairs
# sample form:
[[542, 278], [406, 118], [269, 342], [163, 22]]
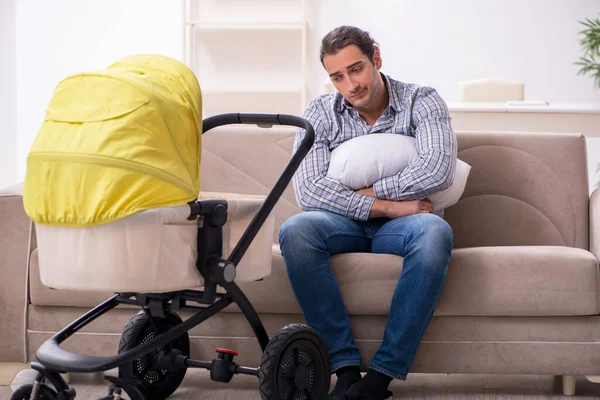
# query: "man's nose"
[[352, 85]]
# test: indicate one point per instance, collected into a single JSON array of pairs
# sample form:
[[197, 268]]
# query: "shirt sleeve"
[[434, 167], [313, 189]]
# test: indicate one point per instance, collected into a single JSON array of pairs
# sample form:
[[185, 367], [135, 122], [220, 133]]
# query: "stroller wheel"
[[44, 393], [156, 384], [295, 365]]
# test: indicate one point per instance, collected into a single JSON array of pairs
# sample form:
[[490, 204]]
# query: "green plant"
[[590, 62], [590, 43]]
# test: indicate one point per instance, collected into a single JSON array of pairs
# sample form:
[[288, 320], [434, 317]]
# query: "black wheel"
[[44, 393], [156, 384], [295, 365]]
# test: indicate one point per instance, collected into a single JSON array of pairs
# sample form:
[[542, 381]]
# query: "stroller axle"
[[223, 368]]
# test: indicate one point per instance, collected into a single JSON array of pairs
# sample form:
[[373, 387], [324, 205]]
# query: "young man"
[[393, 216]]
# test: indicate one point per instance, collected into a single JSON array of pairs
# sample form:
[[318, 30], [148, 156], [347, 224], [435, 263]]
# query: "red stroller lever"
[[227, 351]]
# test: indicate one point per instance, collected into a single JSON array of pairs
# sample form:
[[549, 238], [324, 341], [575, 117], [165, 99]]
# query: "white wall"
[[8, 92], [433, 42], [441, 42], [60, 37]]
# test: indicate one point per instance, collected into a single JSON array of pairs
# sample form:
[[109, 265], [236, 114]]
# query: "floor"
[[197, 385]]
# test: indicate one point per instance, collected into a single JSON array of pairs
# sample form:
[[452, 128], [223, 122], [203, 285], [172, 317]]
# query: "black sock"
[[351, 371], [346, 377], [373, 386]]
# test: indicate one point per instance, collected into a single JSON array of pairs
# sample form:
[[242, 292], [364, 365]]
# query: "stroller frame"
[[53, 360]]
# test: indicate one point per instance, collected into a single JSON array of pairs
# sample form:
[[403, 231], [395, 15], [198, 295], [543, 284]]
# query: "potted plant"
[[590, 61]]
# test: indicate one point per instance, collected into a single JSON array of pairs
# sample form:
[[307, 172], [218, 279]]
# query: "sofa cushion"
[[250, 159], [521, 281], [485, 281], [530, 188]]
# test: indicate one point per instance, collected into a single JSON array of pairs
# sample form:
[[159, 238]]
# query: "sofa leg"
[[8, 371], [569, 385]]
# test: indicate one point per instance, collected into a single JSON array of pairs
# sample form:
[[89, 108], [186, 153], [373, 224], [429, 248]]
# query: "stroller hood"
[[116, 142]]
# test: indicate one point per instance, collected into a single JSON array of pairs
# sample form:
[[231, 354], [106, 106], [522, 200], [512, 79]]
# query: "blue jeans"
[[309, 239]]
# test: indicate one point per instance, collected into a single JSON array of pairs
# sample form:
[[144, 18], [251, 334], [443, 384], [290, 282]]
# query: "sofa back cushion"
[[523, 189]]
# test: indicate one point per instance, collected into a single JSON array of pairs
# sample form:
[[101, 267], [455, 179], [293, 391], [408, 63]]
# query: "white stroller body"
[[152, 251]]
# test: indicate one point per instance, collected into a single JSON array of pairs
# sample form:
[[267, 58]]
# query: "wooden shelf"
[[243, 11], [224, 61], [247, 27], [248, 56]]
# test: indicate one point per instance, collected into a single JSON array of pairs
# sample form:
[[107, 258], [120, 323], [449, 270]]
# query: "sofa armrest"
[[14, 255], [595, 223]]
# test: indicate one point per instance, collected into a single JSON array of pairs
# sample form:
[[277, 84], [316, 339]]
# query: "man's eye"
[[356, 70], [335, 79]]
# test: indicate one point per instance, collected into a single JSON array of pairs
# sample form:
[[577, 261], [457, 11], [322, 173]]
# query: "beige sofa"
[[521, 296]]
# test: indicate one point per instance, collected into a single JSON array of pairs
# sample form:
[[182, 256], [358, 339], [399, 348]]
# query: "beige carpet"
[[197, 385]]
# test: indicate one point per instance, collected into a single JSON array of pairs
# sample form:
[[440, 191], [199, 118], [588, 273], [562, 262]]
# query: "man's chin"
[[360, 105]]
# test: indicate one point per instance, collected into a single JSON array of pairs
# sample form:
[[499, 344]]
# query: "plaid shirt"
[[413, 110]]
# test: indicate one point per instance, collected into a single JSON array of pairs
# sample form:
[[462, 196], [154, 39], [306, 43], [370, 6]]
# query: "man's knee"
[[442, 238], [293, 226], [301, 228], [440, 229], [435, 239], [431, 225]]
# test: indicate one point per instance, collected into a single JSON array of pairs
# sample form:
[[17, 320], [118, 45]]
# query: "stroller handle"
[[265, 121]]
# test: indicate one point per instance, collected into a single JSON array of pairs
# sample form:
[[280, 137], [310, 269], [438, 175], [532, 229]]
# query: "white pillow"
[[360, 162]]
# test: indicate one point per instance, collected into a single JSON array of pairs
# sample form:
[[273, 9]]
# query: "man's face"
[[354, 75]]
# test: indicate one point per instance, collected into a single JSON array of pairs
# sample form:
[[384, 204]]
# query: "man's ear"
[[377, 59]]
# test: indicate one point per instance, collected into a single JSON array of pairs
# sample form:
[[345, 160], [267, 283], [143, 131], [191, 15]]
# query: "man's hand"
[[367, 191], [402, 208], [396, 209]]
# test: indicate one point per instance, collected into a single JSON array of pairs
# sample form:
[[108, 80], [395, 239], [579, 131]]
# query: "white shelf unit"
[[248, 56]]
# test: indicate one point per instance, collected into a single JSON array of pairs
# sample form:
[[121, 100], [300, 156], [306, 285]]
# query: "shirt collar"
[[341, 104]]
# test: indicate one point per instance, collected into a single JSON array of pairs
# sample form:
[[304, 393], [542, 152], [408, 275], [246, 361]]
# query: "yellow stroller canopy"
[[116, 142]]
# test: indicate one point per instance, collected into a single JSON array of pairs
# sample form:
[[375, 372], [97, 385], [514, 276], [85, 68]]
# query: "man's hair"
[[345, 35]]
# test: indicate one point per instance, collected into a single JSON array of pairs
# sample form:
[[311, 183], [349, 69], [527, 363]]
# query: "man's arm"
[[314, 190], [396, 209], [433, 170]]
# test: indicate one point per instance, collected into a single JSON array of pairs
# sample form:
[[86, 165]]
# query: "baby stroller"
[[112, 186]]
